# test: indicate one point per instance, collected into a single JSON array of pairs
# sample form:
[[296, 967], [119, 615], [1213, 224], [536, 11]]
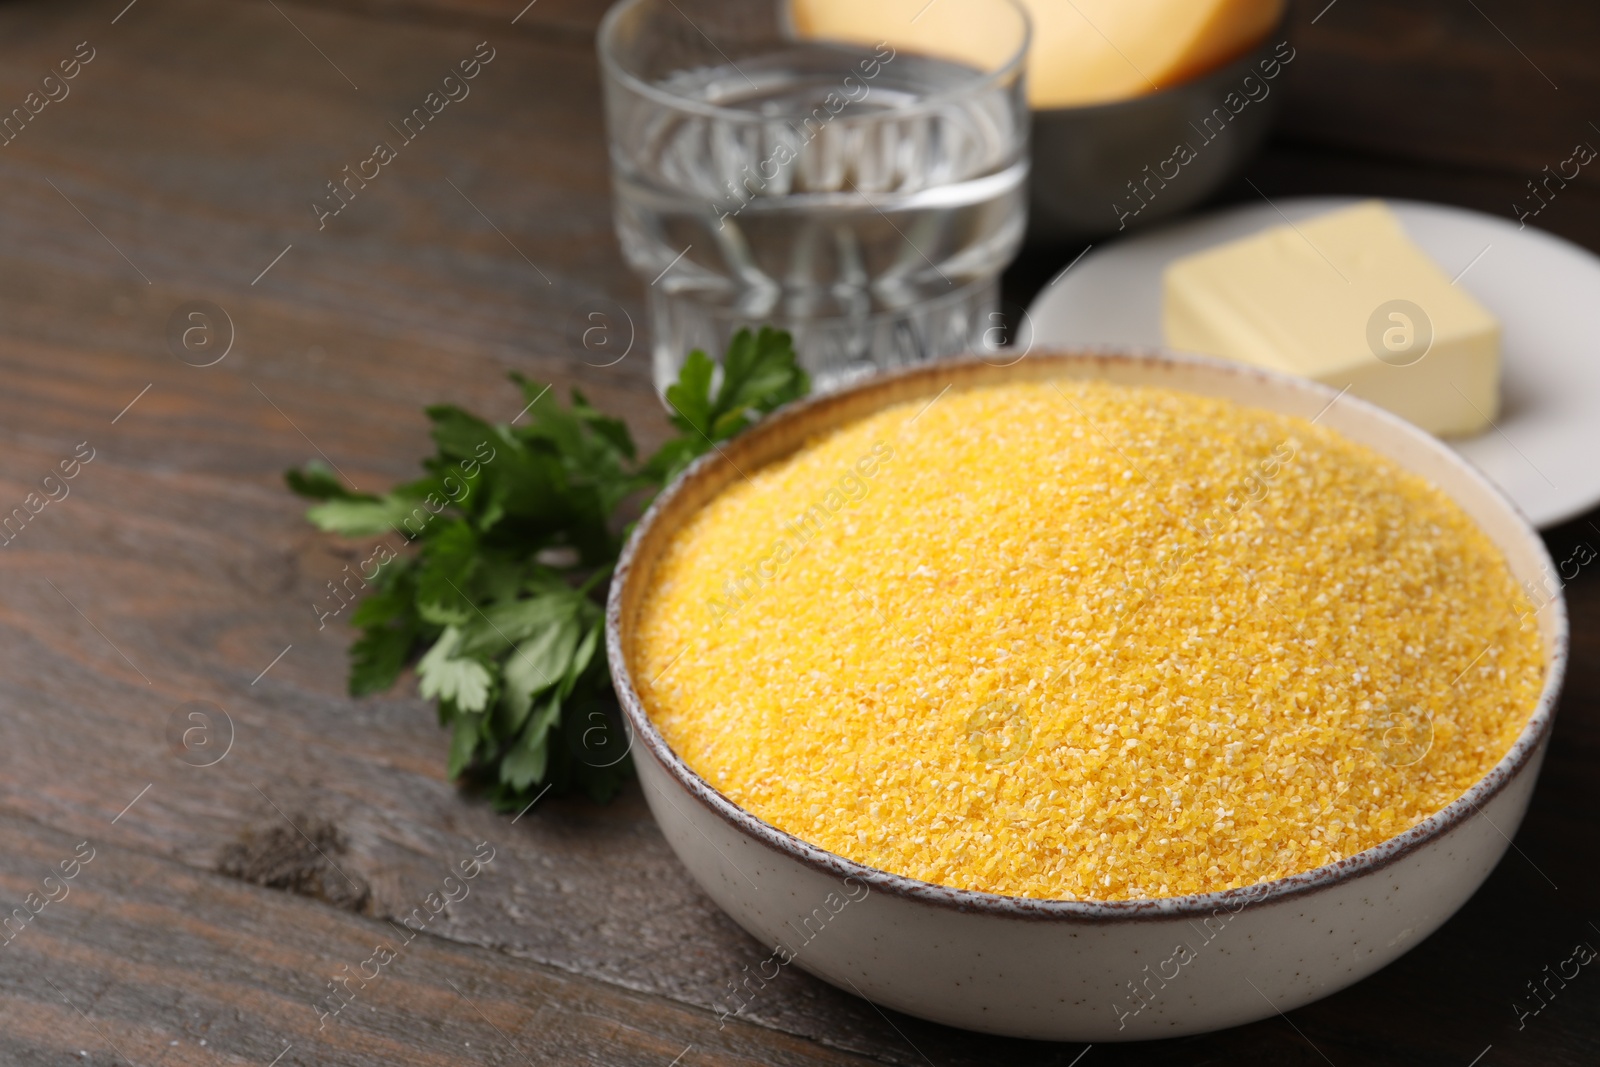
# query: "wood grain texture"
[[178, 568], [148, 961], [1490, 84]]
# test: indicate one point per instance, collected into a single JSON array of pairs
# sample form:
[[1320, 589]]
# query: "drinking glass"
[[854, 174]]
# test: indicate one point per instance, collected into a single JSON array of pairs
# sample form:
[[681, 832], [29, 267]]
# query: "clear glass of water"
[[855, 174]]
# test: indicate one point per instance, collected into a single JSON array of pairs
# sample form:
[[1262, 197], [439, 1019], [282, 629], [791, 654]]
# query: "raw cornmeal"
[[1085, 641]]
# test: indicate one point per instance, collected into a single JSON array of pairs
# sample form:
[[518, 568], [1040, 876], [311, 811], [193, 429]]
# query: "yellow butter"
[[1084, 51], [1349, 300]]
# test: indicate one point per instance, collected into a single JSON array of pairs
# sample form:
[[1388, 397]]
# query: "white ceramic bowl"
[[1076, 970]]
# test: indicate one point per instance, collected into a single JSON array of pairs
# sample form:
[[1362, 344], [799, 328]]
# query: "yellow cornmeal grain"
[[1075, 640]]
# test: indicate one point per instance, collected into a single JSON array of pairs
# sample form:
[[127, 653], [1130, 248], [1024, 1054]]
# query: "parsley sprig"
[[513, 533]]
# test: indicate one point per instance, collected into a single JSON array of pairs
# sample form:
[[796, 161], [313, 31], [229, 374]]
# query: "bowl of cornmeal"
[[1097, 696]]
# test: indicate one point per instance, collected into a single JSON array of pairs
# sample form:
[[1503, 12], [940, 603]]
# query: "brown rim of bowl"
[[1516, 759]]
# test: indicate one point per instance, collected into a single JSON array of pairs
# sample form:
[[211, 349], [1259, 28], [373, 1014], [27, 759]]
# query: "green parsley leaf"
[[759, 373], [377, 657], [529, 757], [318, 481], [538, 665], [690, 395], [464, 740], [355, 517], [515, 530], [445, 675], [449, 558]]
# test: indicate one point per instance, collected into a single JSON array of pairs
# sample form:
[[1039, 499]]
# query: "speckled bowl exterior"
[[1078, 970]]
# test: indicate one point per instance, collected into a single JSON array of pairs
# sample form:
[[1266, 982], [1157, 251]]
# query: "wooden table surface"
[[221, 901]]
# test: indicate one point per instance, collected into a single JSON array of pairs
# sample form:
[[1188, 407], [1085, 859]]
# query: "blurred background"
[[1459, 102]]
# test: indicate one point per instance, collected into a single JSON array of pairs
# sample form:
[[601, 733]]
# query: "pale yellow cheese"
[[1083, 52], [1347, 299], [940, 29], [1092, 51]]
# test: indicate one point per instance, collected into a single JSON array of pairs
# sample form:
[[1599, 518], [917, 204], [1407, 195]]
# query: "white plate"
[[1545, 448]]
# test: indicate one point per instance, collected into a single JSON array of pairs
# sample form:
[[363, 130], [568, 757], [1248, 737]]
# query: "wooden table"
[[182, 166]]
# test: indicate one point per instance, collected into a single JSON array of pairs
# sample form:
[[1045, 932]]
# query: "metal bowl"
[[1103, 168], [1074, 969]]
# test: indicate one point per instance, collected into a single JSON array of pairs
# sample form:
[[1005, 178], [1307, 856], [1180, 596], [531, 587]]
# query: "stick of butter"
[[1345, 298]]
